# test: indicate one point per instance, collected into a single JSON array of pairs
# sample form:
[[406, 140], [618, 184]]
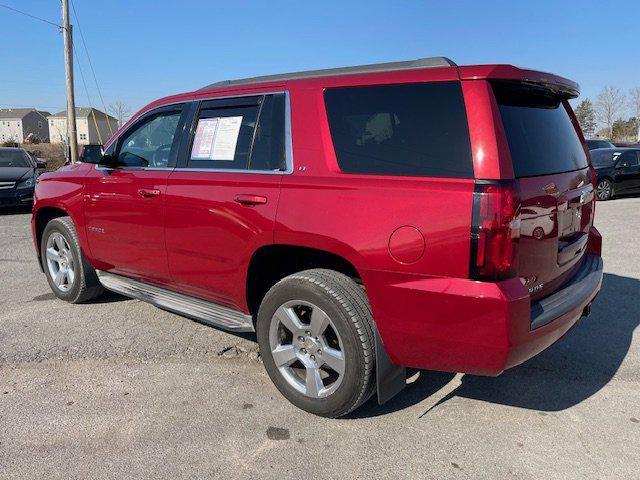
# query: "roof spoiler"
[[430, 62], [559, 86]]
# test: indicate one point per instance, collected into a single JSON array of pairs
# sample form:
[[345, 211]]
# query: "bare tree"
[[609, 103], [121, 111], [634, 103]]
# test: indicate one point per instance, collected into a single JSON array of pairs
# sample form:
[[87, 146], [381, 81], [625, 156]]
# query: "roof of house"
[[83, 112], [19, 112]]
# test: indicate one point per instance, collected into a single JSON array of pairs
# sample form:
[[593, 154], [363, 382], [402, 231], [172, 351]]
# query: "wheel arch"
[[41, 218], [271, 263]]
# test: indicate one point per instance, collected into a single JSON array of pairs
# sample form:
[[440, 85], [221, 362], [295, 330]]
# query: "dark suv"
[[361, 220], [618, 171], [18, 174]]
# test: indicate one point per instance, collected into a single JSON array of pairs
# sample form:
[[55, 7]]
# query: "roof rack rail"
[[430, 62]]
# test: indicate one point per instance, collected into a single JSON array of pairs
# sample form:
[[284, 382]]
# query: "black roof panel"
[[430, 62]]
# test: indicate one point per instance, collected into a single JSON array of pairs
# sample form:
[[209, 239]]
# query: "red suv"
[[361, 220]]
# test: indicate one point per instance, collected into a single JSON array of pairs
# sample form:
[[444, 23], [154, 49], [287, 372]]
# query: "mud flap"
[[390, 378]]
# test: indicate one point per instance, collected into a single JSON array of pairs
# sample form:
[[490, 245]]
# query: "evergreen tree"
[[586, 116]]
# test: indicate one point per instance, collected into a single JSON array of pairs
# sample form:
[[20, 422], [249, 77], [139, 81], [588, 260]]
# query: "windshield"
[[14, 158], [594, 144]]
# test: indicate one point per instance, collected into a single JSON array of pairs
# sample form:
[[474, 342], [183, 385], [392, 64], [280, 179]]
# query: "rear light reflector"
[[495, 230], [593, 178]]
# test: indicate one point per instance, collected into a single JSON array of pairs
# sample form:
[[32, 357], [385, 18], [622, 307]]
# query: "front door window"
[[149, 145]]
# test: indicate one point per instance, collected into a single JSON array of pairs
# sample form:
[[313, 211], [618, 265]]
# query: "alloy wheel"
[[60, 262], [307, 349], [603, 191]]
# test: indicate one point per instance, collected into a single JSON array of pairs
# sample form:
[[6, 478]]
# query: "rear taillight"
[[495, 230]]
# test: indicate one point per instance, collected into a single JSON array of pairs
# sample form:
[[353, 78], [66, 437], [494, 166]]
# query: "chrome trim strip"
[[130, 169], [202, 310], [288, 140], [288, 136], [7, 185], [228, 170]]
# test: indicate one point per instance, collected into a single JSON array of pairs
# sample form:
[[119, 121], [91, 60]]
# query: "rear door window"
[[542, 138], [242, 133], [630, 159], [602, 158], [417, 129]]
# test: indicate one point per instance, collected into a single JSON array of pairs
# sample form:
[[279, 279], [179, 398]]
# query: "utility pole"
[[68, 66]]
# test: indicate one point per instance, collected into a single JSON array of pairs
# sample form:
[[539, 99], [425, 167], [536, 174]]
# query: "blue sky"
[[145, 49]]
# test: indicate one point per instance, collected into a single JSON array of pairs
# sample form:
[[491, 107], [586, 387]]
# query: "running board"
[[201, 310]]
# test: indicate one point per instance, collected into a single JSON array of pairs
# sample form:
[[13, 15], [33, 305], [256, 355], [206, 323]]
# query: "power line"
[[14, 105], [95, 78], [29, 15], [86, 90]]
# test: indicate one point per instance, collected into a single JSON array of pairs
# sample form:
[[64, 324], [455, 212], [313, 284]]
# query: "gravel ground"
[[120, 389]]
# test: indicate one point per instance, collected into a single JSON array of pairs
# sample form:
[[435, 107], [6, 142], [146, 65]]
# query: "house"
[[16, 124], [93, 126]]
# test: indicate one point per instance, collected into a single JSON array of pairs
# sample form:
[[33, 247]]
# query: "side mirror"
[[107, 161], [91, 154], [40, 164]]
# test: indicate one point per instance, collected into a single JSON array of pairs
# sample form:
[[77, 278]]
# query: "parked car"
[[18, 174], [594, 144], [361, 220], [618, 171]]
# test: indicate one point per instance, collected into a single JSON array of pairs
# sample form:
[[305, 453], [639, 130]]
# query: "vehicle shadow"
[[15, 210], [108, 297], [567, 373]]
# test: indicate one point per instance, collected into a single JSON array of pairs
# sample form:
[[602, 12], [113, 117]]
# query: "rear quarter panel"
[[354, 216]]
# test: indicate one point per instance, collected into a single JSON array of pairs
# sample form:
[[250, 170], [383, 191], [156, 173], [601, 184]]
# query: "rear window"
[[542, 139], [417, 129]]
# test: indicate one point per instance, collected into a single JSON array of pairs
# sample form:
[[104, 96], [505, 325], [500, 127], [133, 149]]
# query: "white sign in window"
[[216, 138]]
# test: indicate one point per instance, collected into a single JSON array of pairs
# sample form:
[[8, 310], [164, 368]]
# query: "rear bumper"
[[482, 328]]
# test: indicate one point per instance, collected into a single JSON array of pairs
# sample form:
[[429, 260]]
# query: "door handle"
[[148, 192], [245, 199]]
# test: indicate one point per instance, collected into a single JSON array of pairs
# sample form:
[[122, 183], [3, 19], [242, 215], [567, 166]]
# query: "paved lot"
[[120, 389]]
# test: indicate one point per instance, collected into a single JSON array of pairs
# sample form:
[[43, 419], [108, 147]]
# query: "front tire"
[[315, 332], [604, 190], [68, 272]]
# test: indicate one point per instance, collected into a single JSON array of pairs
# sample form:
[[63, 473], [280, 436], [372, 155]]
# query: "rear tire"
[[604, 190], [68, 272], [315, 332]]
